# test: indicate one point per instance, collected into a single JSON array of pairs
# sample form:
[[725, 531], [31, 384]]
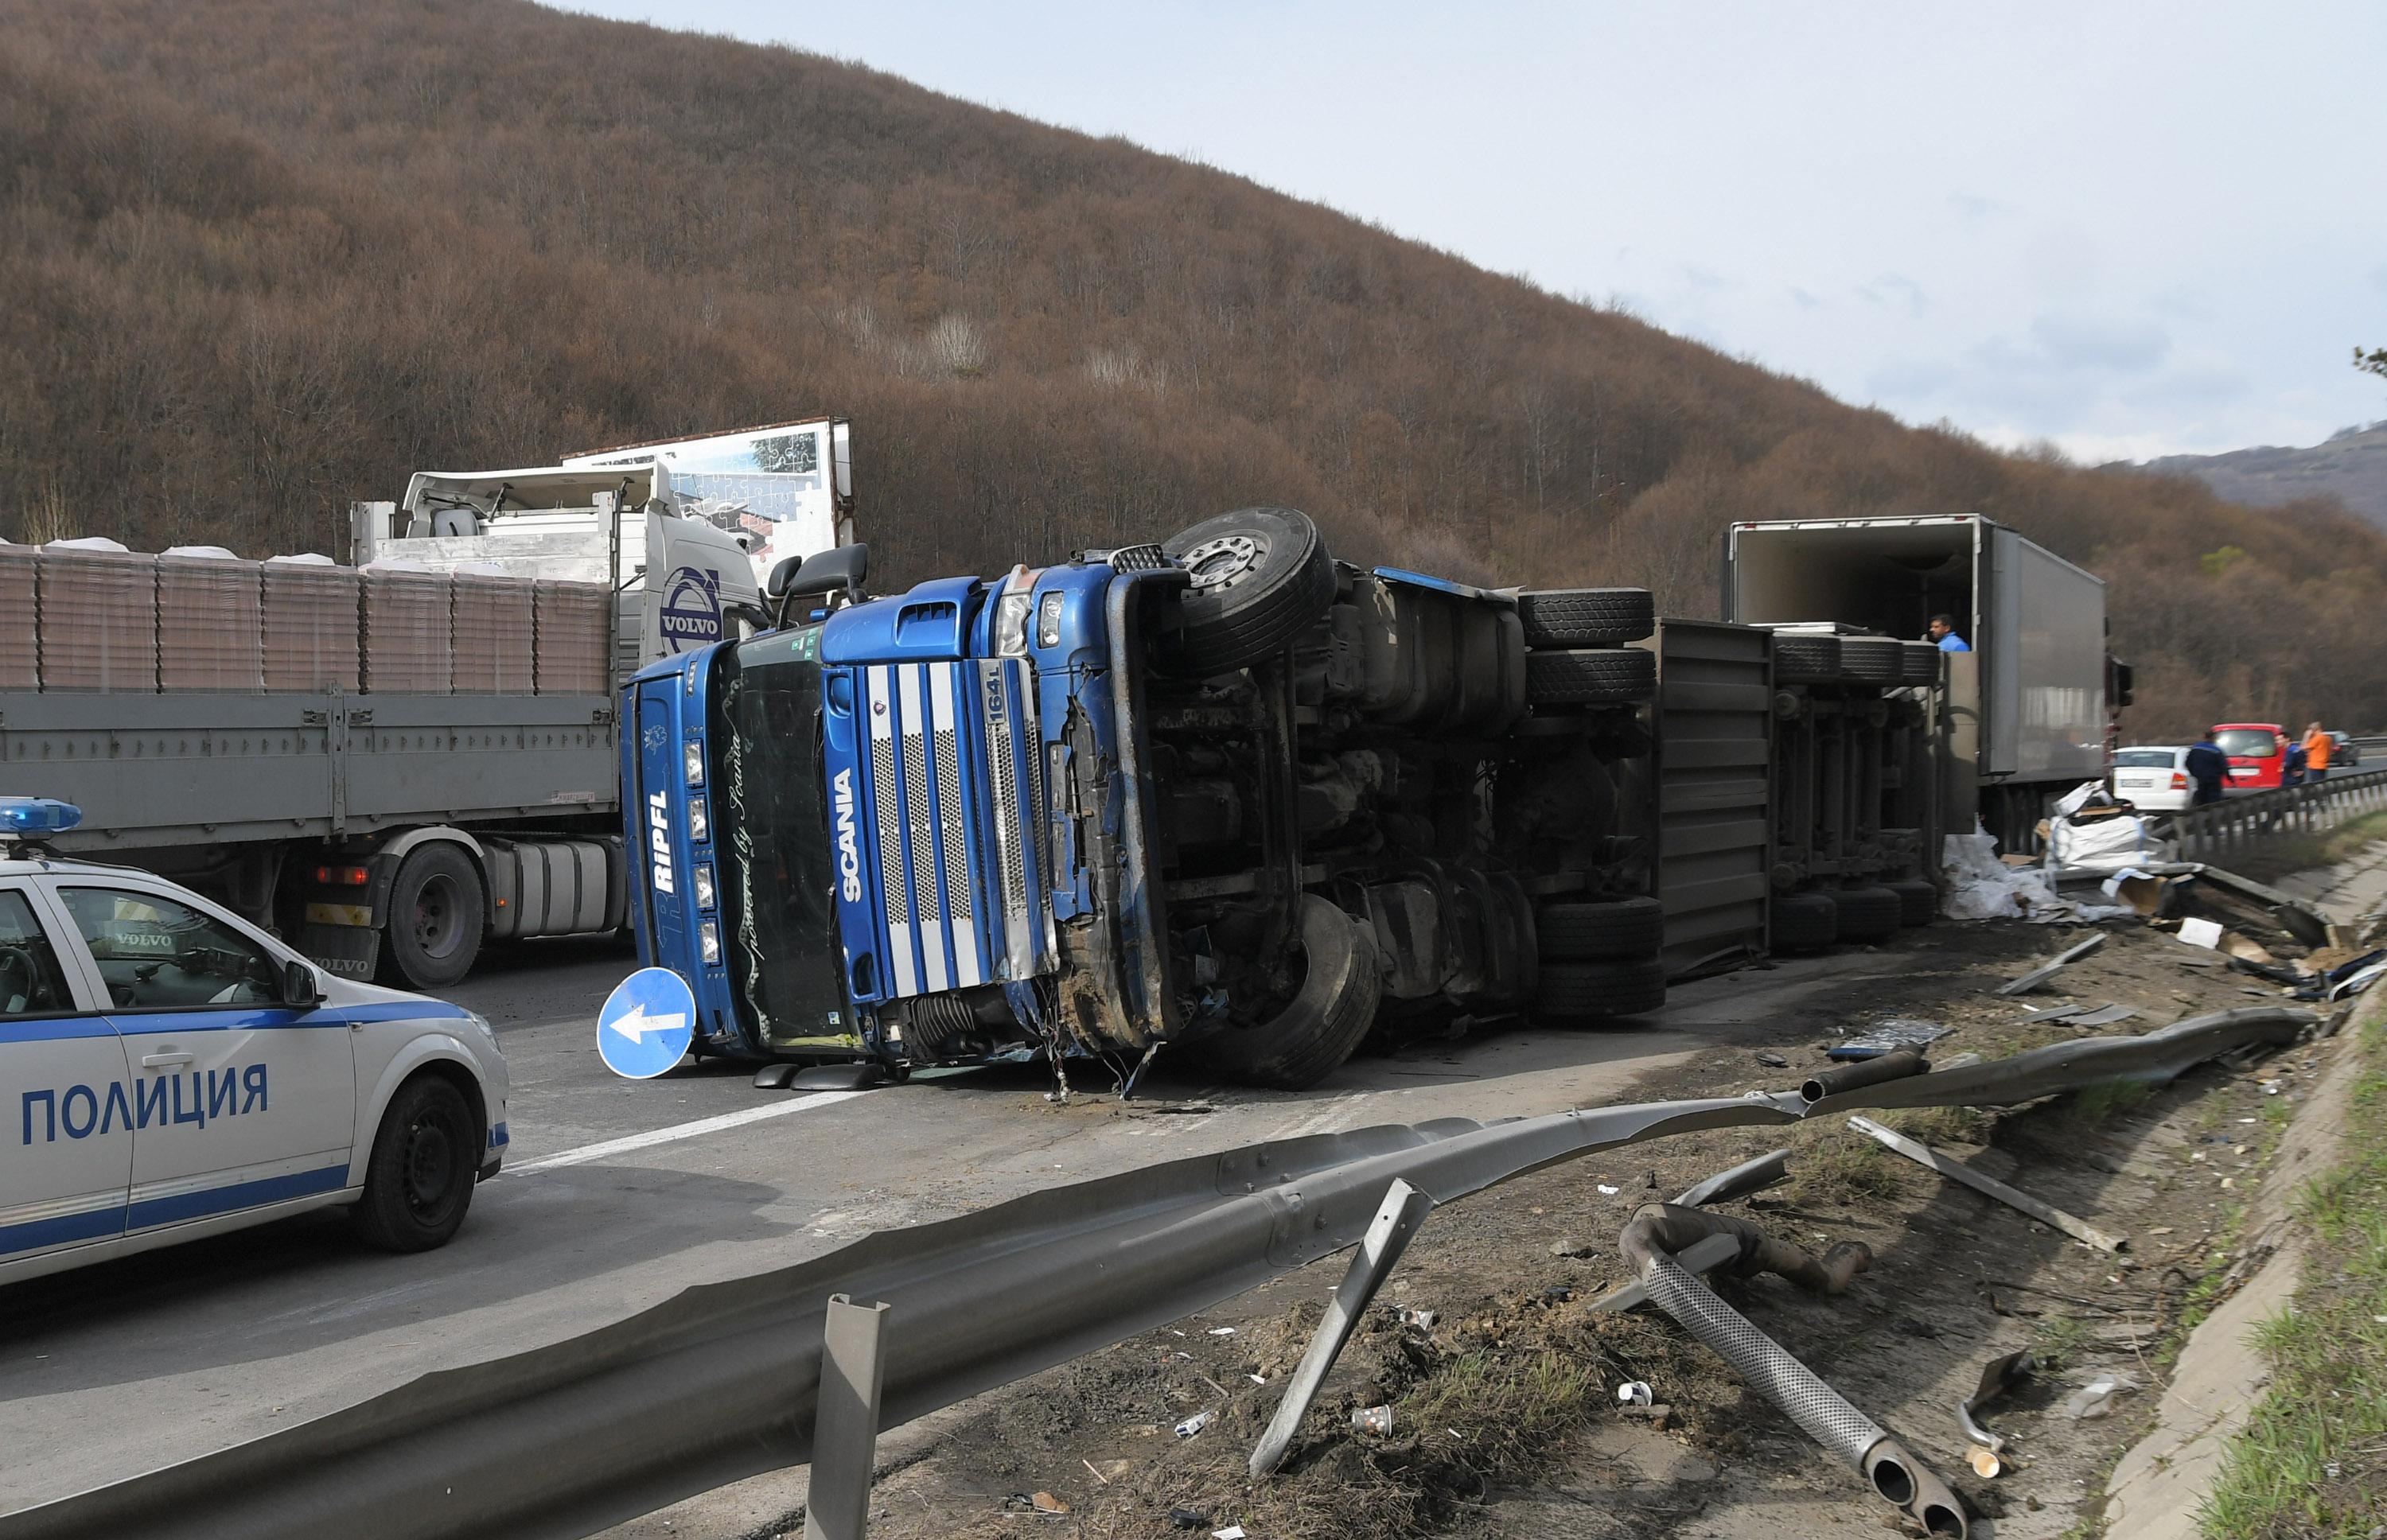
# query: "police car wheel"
[[425, 1158], [437, 913]]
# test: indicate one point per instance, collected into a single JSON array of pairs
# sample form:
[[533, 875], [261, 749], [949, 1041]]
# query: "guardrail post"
[[845, 1420], [1396, 1219]]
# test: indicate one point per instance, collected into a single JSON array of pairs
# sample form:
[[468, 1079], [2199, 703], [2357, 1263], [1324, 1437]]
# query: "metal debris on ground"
[[2048, 970], [2046, 1214], [1194, 1424], [1769, 1170], [1889, 1037], [1705, 1257], [1771, 1060], [1372, 1419], [1996, 1375], [1635, 1393], [2105, 1015]]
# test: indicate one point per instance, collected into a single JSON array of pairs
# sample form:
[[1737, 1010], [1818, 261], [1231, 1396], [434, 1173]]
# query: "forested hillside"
[[262, 257]]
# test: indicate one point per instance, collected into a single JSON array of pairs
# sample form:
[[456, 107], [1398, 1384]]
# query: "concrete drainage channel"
[[731, 1380]]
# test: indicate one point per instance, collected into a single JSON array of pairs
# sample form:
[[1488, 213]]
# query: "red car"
[[2257, 753]]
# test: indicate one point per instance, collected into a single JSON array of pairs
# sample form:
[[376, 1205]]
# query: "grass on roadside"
[[2313, 1458], [2288, 853]]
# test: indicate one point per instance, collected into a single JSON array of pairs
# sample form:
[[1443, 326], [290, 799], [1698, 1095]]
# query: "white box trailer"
[[2027, 712]]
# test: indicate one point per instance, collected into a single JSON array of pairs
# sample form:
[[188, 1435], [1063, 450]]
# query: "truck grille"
[[958, 864]]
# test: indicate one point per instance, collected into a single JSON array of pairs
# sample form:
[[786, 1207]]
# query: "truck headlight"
[[708, 942], [1048, 621], [704, 885], [692, 756], [1011, 624], [700, 824]]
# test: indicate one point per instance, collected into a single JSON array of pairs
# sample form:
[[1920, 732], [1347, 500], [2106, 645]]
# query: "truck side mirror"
[[781, 576], [300, 986], [842, 570]]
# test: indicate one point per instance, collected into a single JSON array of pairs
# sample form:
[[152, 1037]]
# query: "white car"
[[2155, 780], [170, 1072]]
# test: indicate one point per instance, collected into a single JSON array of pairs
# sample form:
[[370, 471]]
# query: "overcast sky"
[[2131, 229]]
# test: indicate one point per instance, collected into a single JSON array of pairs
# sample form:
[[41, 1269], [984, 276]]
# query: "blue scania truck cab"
[[1223, 793]]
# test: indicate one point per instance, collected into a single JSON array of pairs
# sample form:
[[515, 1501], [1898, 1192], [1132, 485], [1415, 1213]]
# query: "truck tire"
[[1922, 663], [1918, 902], [436, 913], [1806, 659], [1804, 922], [1581, 931], [1873, 659], [1603, 677], [1572, 991], [1868, 914], [1585, 617], [1305, 1042], [1261, 576], [427, 1155]]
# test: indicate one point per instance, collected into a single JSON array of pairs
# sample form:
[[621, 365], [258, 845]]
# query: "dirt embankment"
[[1504, 1417]]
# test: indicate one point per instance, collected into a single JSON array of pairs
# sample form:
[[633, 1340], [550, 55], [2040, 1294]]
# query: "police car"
[[168, 1072]]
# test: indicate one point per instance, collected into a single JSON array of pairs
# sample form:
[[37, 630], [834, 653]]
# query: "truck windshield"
[[776, 875]]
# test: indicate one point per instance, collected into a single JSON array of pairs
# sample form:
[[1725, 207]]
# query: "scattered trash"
[[2201, 932], [1044, 1502], [2246, 949], [2096, 1399], [1186, 1518], [1372, 1419], [1608, 1191], [1092, 1471], [1996, 1375], [2047, 1214], [1984, 1461], [2054, 1013], [1222, 1330], [1634, 1393], [2294, 917], [1771, 1060], [1194, 1424], [1572, 1247], [1257, 1379], [2046, 971], [1423, 1319], [1232, 1531], [1888, 1037]]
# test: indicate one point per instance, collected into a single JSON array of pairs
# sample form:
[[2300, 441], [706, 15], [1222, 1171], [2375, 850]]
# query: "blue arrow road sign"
[[644, 1026]]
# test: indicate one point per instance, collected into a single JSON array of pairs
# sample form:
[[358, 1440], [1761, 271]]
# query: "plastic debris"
[[1222, 1330], [1372, 1419], [1634, 1393], [1608, 1191], [1232, 1531], [1044, 1502], [2096, 1399], [1889, 1037], [1186, 1518], [1194, 1424], [1984, 1461], [1423, 1319], [2201, 932]]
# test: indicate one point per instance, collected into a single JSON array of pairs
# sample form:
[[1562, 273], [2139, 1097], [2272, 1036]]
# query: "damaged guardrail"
[[2238, 823], [724, 1380]]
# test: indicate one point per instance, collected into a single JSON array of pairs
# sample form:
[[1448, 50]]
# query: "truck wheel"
[[1873, 659], [436, 912], [1576, 990], [1261, 575], [1868, 914], [426, 1155], [1305, 1042], [1918, 902], [1805, 922], [1624, 928], [1585, 617], [1605, 676], [1806, 659], [1921, 660]]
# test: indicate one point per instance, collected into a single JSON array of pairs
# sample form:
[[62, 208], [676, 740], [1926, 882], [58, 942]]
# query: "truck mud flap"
[[349, 950]]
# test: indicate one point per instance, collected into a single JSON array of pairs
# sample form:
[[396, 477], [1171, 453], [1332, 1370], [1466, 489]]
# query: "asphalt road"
[[618, 1194]]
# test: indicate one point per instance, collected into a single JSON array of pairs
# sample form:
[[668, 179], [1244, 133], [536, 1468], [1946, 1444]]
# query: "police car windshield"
[[773, 834]]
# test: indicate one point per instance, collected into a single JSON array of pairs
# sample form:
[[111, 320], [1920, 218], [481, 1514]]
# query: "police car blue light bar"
[[29, 816]]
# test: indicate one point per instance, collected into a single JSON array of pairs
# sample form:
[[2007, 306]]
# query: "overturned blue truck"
[[1229, 796]]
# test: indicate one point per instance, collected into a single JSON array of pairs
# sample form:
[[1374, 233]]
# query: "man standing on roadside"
[[2316, 746], [1944, 635], [2208, 768]]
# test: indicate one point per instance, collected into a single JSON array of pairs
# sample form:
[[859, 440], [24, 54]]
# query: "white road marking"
[[678, 1131]]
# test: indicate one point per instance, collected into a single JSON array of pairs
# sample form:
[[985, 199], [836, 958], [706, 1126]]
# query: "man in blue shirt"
[[1943, 631], [2208, 768]]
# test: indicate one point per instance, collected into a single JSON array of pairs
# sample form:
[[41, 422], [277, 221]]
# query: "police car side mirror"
[[300, 986]]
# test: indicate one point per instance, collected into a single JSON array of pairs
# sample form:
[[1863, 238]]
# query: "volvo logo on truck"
[[690, 614], [849, 855], [659, 840]]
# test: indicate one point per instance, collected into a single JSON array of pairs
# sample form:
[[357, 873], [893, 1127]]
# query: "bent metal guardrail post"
[[1397, 1218], [566, 1440]]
